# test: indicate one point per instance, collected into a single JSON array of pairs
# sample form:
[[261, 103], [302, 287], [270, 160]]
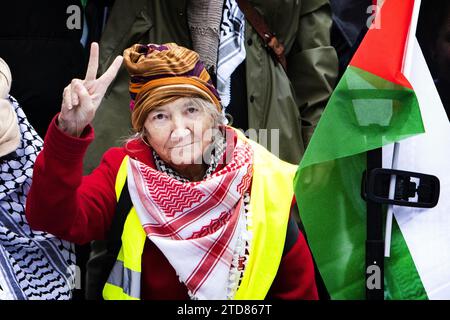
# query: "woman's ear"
[[144, 133], [144, 137]]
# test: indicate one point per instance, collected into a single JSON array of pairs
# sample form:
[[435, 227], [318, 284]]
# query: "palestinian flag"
[[374, 105]]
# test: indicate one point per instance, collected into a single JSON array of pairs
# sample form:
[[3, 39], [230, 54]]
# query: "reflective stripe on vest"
[[124, 281], [270, 203], [127, 279]]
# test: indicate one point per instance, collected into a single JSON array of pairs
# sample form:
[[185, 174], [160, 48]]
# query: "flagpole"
[[374, 228], [374, 237]]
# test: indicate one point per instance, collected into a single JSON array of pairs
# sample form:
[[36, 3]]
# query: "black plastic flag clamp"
[[408, 187]]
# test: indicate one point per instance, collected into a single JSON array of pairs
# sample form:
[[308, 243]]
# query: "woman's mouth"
[[182, 145]]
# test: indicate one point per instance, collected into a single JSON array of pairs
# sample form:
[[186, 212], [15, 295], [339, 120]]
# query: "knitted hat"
[[163, 73], [9, 128]]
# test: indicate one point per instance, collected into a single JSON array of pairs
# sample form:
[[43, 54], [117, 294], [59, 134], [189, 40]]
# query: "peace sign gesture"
[[81, 98]]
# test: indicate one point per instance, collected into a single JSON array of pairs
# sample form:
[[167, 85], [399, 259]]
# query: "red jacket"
[[80, 209]]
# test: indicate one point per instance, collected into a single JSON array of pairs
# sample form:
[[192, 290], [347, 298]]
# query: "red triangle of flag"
[[382, 50]]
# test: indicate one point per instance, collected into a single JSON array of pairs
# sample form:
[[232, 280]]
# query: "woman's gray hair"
[[211, 109]]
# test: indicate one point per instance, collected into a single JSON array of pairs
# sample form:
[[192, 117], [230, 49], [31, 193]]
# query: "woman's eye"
[[158, 116], [192, 110]]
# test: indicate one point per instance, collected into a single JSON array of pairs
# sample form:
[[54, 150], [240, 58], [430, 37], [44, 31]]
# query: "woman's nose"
[[180, 134], [180, 129]]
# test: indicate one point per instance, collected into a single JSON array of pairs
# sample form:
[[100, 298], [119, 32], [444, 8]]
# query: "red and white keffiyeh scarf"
[[196, 224]]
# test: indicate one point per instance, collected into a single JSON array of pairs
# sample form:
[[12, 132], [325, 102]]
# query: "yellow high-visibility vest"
[[270, 202]]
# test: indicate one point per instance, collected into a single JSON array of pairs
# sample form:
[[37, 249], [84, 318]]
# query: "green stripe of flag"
[[365, 112], [402, 280]]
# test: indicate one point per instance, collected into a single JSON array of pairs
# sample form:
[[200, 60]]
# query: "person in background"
[[33, 264], [30, 34], [350, 23], [29, 44], [433, 33], [96, 13]]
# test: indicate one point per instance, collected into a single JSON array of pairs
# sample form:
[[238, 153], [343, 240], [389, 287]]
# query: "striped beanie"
[[160, 74]]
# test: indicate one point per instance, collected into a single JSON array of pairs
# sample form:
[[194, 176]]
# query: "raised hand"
[[81, 98]]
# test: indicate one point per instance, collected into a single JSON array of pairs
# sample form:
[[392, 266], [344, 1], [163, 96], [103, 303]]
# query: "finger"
[[67, 99], [83, 95], [75, 101], [63, 103], [106, 79], [91, 73]]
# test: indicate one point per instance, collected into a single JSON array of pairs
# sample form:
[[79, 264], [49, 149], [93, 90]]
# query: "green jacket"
[[291, 103]]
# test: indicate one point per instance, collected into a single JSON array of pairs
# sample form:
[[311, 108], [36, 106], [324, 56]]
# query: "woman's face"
[[179, 132]]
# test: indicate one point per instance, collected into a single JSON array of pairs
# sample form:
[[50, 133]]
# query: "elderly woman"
[[210, 213], [33, 265]]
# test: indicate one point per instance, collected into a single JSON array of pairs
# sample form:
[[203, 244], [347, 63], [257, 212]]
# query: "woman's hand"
[[81, 98]]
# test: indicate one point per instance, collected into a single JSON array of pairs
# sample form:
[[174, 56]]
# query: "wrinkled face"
[[179, 132], [442, 53]]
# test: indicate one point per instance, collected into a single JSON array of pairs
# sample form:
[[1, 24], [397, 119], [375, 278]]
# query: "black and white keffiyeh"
[[231, 48], [33, 264]]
